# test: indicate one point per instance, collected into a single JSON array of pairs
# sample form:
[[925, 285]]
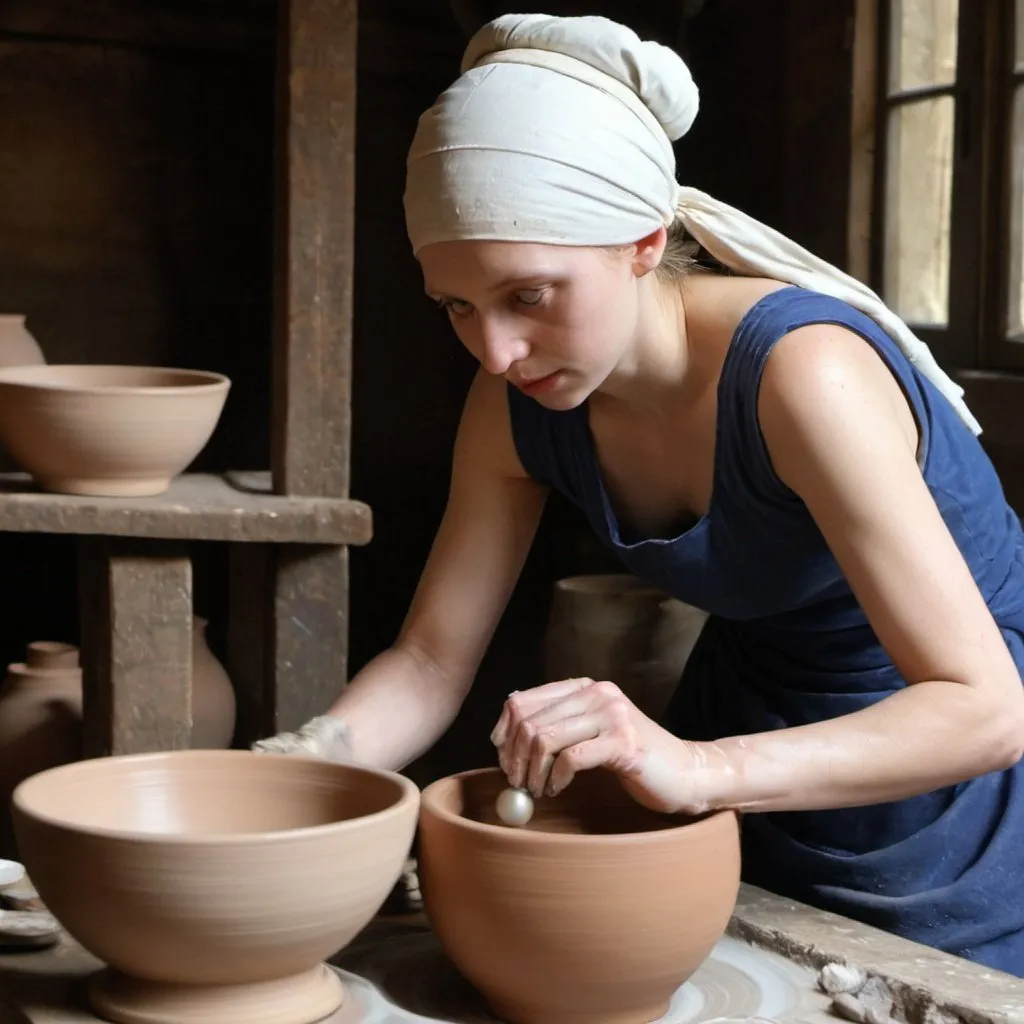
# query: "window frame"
[[980, 246]]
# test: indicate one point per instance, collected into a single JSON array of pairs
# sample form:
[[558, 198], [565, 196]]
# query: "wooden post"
[[307, 649], [135, 600], [311, 639], [316, 118]]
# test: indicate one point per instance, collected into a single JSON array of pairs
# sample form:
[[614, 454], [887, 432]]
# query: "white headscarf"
[[560, 131]]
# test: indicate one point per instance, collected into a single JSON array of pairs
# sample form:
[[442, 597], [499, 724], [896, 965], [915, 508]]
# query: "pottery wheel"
[[402, 977]]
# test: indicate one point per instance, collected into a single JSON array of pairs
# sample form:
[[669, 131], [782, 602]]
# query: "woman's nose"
[[500, 346]]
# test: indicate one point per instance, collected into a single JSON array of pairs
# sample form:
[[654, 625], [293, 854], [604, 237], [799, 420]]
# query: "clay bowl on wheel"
[[595, 912], [107, 430], [214, 883]]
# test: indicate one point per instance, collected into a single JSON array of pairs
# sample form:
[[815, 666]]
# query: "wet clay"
[[596, 911], [113, 431], [214, 883]]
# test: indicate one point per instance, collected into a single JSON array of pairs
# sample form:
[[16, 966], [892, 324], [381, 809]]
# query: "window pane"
[[1015, 313], [922, 44], [919, 191]]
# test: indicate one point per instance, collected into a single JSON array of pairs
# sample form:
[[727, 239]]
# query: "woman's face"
[[555, 321]]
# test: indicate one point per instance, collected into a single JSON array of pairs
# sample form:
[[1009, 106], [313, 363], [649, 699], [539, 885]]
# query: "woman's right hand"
[[325, 737]]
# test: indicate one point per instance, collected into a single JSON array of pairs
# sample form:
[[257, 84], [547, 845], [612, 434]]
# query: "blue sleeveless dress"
[[787, 644]]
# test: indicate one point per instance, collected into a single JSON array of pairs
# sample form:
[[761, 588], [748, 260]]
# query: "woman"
[[771, 444]]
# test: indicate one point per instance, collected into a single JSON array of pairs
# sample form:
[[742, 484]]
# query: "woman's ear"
[[648, 251]]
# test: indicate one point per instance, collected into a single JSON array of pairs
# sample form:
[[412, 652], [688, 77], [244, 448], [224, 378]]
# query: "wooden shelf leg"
[[287, 634], [310, 631], [135, 605]]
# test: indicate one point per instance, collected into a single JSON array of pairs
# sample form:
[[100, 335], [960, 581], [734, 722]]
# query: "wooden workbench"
[[927, 985]]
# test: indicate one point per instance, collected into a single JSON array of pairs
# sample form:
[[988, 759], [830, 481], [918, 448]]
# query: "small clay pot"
[[17, 346], [40, 721], [116, 431], [214, 883], [614, 626], [597, 911], [213, 697]]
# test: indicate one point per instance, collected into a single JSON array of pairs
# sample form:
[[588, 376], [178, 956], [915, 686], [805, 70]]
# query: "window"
[[948, 244]]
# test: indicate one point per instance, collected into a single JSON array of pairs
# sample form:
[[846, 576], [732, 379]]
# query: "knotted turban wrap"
[[560, 130]]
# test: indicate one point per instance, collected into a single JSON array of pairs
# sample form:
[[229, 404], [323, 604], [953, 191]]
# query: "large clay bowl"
[[596, 912], [214, 883], [107, 430]]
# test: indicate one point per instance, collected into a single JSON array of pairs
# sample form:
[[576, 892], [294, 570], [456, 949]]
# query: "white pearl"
[[514, 807]]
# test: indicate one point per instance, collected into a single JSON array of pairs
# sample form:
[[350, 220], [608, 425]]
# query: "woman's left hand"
[[547, 734]]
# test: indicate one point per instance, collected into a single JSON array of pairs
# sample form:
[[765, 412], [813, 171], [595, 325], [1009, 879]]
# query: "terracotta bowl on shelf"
[[118, 431], [214, 884], [596, 912]]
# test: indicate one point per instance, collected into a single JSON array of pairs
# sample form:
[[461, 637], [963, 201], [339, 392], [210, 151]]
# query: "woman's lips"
[[540, 384]]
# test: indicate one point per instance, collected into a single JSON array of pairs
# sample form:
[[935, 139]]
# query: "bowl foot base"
[[103, 487], [301, 999]]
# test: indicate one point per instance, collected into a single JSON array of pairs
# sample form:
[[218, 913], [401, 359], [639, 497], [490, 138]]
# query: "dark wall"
[[135, 197], [135, 225]]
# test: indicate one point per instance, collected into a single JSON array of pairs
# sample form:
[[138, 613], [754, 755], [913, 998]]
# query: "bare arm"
[[837, 428], [402, 701]]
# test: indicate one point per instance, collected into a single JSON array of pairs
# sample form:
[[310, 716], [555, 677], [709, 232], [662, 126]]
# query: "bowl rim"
[[205, 380], [409, 795], [429, 805]]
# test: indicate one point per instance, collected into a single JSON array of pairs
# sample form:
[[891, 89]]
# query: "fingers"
[[534, 741], [519, 705], [550, 745], [581, 757], [575, 714]]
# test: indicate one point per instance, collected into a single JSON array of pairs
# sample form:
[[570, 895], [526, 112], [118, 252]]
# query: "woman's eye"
[[456, 306], [530, 296]]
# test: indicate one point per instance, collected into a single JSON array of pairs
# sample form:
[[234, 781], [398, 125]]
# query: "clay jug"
[[17, 346], [614, 626], [213, 696], [40, 720]]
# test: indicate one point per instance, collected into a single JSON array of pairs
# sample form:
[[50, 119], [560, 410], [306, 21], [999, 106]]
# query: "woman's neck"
[[657, 368]]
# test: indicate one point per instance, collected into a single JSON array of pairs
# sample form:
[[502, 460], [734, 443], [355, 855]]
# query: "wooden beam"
[[307, 615], [316, 118], [135, 602]]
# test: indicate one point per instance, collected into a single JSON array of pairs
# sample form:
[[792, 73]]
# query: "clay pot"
[[17, 346], [213, 696], [40, 721], [107, 430], [596, 912], [616, 627], [213, 884]]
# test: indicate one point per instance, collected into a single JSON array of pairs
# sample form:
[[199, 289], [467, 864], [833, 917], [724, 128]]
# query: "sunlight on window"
[[923, 44], [918, 198]]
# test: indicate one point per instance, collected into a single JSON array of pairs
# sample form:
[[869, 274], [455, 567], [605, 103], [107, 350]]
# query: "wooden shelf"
[[198, 506]]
